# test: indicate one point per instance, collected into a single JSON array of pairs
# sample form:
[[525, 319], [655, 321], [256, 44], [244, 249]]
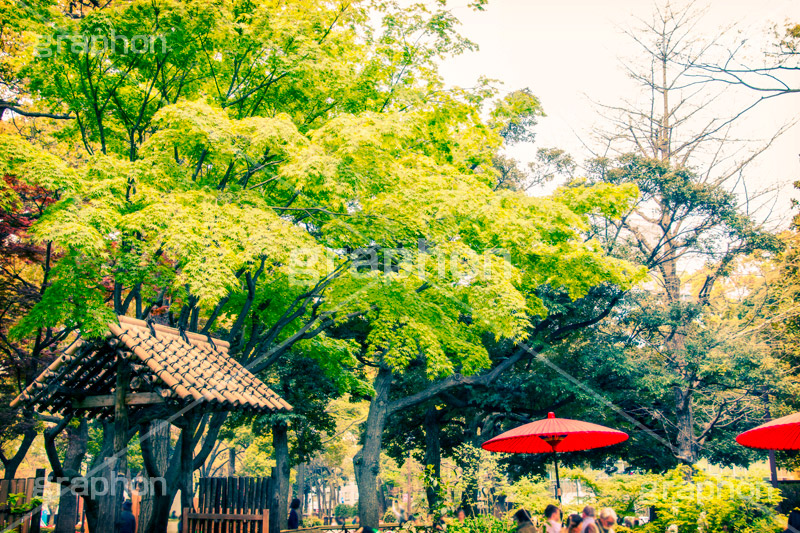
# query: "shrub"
[[389, 517], [699, 503], [312, 521], [345, 511], [482, 524]]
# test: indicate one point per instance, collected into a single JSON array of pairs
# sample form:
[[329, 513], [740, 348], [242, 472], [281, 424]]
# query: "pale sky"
[[570, 53]]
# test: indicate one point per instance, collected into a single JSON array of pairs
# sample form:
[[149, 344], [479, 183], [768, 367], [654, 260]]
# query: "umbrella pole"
[[558, 481]]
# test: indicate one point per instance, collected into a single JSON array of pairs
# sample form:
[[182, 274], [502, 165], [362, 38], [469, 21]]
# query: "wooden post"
[[272, 497], [120, 469], [38, 492], [185, 520], [265, 521]]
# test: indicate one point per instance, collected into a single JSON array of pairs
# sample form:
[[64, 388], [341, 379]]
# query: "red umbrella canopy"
[[780, 434], [554, 435]]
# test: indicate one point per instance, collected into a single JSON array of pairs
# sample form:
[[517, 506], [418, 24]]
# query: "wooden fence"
[[33, 487], [230, 505]]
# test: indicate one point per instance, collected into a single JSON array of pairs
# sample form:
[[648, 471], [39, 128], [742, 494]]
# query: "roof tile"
[[193, 366]]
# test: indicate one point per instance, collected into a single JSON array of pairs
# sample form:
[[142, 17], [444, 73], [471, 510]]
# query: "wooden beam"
[[107, 400]]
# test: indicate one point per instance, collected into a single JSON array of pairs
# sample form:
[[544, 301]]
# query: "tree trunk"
[[433, 455], [77, 440], [684, 415], [280, 443], [367, 461], [156, 501], [300, 488], [320, 511], [232, 461], [11, 464], [99, 508]]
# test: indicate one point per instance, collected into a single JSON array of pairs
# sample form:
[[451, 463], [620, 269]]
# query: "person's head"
[[588, 512], [461, 514], [127, 505], [574, 521], [608, 517], [552, 512], [672, 529], [522, 516], [295, 504], [794, 519]]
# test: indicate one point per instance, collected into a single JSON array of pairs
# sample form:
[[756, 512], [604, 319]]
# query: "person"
[[794, 521], [294, 515], [365, 529], [608, 519], [461, 514], [672, 529], [588, 523], [574, 523], [553, 516], [524, 523], [128, 524]]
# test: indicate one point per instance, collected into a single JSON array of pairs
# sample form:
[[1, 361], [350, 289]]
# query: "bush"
[[691, 499], [389, 517], [312, 521], [699, 503], [482, 524], [345, 511]]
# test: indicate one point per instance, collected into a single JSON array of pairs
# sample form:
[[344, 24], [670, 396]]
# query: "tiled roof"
[[181, 367]]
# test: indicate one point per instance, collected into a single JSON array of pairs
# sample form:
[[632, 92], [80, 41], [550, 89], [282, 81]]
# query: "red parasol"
[[554, 435], [780, 434]]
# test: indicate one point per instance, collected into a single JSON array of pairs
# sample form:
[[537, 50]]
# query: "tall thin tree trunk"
[[77, 440], [300, 488], [685, 422], [155, 503], [280, 443], [367, 461], [433, 454], [100, 507], [232, 461]]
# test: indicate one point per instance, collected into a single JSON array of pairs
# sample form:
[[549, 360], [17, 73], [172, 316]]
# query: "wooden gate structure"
[[230, 505], [30, 488], [142, 370]]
